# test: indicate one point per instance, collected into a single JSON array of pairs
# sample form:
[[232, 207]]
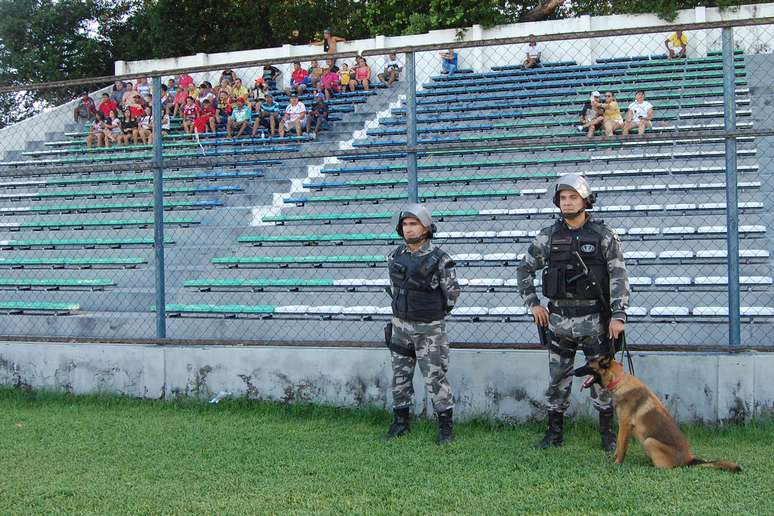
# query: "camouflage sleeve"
[[390, 258], [619, 278], [448, 280], [533, 261]]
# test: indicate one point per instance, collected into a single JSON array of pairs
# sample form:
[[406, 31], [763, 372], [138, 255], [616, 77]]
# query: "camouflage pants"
[[431, 346], [567, 334]]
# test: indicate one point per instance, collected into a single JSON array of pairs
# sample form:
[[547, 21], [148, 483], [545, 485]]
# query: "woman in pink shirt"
[[362, 73]]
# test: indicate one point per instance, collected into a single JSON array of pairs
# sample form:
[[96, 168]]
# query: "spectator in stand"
[[612, 114], [113, 133], [207, 118], [189, 112], [107, 105], [96, 131], [329, 42], [85, 108], [224, 85], [179, 101], [206, 93], [193, 91], [228, 75], [268, 115], [166, 99], [129, 94], [317, 116], [143, 87], [271, 75], [260, 90], [239, 91], [184, 81], [449, 59], [130, 128], [532, 53], [299, 79], [363, 73], [136, 106], [391, 71], [224, 106], [330, 82], [676, 45], [145, 126], [117, 91], [295, 113], [296, 38], [315, 74], [639, 114], [166, 124], [240, 117], [591, 115], [344, 78], [171, 88]]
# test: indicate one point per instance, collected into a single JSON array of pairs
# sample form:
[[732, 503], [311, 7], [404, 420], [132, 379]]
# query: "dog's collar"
[[612, 385]]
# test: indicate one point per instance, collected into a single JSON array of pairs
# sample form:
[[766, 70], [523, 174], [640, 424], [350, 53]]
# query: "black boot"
[[553, 435], [445, 433], [400, 423], [606, 430]]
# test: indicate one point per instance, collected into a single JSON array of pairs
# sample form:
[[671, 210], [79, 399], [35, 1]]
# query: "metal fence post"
[[411, 127], [158, 211], [732, 200]]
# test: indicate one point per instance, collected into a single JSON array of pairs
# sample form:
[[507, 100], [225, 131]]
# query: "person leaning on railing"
[[676, 45]]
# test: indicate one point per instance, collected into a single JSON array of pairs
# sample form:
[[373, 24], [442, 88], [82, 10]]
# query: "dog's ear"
[[604, 362]]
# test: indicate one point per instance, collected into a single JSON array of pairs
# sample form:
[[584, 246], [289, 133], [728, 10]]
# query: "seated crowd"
[[125, 115]]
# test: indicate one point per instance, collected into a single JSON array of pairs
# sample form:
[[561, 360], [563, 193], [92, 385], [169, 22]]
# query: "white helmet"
[[579, 184], [417, 211]]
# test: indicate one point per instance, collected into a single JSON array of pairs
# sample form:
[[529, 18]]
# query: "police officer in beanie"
[[424, 289], [585, 279]]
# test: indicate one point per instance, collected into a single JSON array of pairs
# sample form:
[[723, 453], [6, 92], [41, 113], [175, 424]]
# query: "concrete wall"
[[492, 384]]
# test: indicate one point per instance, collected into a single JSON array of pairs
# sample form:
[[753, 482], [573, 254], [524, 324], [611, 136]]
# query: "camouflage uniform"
[[586, 332], [428, 340]]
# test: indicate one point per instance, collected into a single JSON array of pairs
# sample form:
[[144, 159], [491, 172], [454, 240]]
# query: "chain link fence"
[[276, 223]]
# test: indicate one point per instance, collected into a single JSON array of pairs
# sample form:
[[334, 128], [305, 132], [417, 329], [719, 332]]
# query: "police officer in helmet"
[[424, 289], [585, 279]]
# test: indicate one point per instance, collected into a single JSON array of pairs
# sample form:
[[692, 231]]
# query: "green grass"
[[105, 455]]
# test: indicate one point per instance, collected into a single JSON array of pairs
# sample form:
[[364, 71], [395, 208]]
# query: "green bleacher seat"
[[30, 307], [71, 263], [48, 284]]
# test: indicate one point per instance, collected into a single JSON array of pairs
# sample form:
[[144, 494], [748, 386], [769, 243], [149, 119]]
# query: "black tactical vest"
[[563, 277], [413, 297]]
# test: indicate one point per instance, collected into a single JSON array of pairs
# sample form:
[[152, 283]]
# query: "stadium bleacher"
[[316, 253]]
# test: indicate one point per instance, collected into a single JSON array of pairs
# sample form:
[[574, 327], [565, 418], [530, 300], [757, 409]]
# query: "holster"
[[395, 347]]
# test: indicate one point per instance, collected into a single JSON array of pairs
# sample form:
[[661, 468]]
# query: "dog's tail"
[[725, 465]]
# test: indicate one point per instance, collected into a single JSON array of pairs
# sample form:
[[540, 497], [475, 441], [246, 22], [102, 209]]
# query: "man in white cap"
[[591, 115]]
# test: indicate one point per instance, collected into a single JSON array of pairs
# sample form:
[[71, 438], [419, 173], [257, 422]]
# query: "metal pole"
[[732, 199], [158, 211], [411, 127]]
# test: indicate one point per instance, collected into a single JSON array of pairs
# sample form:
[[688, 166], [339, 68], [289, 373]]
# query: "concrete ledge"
[[503, 384]]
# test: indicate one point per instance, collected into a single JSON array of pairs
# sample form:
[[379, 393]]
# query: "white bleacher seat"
[[324, 309], [616, 208], [680, 207], [753, 253], [669, 311], [673, 280], [765, 311], [482, 234], [381, 282], [644, 231], [463, 282], [711, 229], [349, 282], [755, 280], [648, 207], [750, 205], [712, 206], [291, 309], [486, 282], [636, 311], [640, 281], [501, 257], [621, 231], [450, 234], [359, 310], [513, 282], [512, 233], [508, 310], [676, 254], [469, 311], [639, 255], [752, 228], [533, 191], [679, 230], [500, 211], [710, 280], [524, 211], [467, 257], [710, 311]]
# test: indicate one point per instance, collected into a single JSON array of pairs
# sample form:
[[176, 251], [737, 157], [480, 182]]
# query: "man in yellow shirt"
[[676, 45]]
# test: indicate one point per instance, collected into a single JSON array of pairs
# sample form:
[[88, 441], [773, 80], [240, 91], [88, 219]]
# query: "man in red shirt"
[[85, 108], [107, 105], [299, 79]]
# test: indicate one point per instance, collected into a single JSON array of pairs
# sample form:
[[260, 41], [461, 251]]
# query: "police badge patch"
[[588, 248]]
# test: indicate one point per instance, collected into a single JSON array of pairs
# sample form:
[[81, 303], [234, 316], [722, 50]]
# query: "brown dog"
[[639, 411]]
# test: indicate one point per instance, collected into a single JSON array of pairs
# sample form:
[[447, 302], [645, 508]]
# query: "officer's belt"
[[575, 310]]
